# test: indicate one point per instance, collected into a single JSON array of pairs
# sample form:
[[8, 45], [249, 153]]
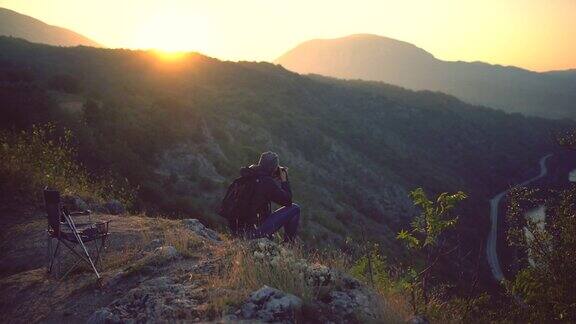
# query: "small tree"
[[372, 268], [425, 237], [546, 283]]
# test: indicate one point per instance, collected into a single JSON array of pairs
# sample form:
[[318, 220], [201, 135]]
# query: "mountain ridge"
[[19, 25], [377, 58]]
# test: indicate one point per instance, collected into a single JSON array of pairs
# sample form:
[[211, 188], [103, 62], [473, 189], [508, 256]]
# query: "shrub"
[[425, 237], [371, 268], [31, 160], [546, 281]]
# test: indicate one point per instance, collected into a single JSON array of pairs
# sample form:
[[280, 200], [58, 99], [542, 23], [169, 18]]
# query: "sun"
[[171, 33], [169, 56]]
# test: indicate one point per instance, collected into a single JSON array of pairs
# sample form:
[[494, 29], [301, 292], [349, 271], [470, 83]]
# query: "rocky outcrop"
[[199, 229], [114, 207], [418, 320], [156, 300], [341, 298], [163, 289], [166, 252], [75, 202], [103, 316], [270, 305]]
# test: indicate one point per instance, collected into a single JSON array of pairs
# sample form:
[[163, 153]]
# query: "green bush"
[[33, 159], [371, 268]]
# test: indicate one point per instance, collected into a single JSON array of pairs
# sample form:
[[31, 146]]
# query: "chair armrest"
[[81, 213], [92, 223]]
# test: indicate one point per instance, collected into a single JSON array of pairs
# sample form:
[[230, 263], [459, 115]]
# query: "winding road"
[[491, 250]]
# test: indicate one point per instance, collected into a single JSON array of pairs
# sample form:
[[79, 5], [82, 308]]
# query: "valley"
[[491, 245]]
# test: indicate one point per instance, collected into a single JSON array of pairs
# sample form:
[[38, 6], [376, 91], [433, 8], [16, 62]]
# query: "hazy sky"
[[535, 34]]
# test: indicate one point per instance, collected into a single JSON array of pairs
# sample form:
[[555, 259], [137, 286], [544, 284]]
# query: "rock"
[[114, 280], [230, 318], [157, 300], [169, 252], [151, 261], [319, 275], [267, 250], [198, 228], [98, 208], [348, 305], [272, 305], [341, 303], [418, 319], [344, 300], [75, 202], [351, 283], [154, 244], [115, 207], [103, 316]]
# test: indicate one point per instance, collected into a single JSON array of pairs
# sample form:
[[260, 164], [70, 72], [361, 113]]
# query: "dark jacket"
[[267, 190]]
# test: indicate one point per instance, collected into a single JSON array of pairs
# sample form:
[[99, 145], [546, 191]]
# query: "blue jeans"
[[287, 217]]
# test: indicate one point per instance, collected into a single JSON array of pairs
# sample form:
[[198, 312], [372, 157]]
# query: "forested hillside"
[[177, 131]]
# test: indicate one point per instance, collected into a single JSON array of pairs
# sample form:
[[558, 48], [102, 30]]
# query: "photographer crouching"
[[247, 204]]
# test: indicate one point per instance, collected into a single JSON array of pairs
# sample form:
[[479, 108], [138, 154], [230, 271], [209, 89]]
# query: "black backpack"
[[237, 206]]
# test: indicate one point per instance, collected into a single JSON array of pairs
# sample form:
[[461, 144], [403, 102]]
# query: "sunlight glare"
[[169, 55], [171, 33]]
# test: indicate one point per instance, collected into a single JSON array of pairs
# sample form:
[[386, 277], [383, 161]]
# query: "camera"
[[279, 171]]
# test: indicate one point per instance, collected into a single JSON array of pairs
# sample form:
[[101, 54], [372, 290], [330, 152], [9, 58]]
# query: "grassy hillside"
[[178, 131]]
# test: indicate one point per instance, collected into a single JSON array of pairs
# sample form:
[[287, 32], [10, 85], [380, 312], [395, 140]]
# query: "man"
[[271, 185]]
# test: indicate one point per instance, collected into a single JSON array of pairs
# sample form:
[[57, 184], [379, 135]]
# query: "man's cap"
[[268, 162]]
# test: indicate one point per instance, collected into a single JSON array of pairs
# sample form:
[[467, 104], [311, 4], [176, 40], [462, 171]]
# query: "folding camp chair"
[[63, 229]]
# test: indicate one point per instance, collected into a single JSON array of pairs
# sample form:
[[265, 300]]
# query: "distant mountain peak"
[[378, 58], [358, 43], [18, 25]]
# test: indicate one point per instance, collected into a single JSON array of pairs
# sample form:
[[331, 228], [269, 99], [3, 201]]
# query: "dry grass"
[[248, 271], [394, 307], [390, 306], [133, 252], [334, 259], [241, 273], [142, 231], [185, 242], [128, 253]]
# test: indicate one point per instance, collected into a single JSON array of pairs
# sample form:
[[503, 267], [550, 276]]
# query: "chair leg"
[[98, 248], [71, 269], [75, 231], [89, 258], [48, 253], [83, 255], [53, 257]]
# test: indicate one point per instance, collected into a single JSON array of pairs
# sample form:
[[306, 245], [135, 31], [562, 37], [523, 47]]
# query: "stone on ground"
[[272, 305], [199, 229]]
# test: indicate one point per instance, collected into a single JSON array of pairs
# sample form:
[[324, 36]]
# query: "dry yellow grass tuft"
[[185, 242], [126, 254], [241, 273]]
